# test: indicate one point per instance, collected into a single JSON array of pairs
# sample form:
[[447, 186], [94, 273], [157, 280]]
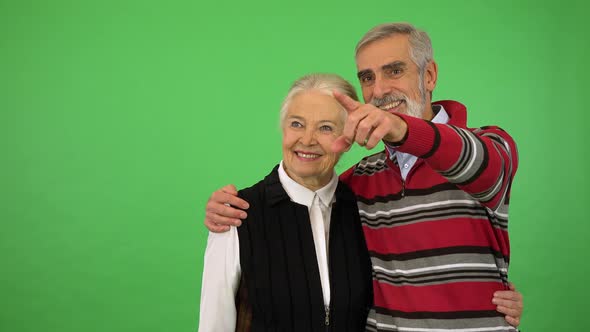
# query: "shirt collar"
[[304, 196], [441, 115]]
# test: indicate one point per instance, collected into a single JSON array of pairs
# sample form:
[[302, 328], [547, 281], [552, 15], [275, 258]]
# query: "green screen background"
[[119, 118]]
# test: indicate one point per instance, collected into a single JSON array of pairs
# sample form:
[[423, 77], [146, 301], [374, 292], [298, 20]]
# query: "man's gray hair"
[[324, 83], [420, 44]]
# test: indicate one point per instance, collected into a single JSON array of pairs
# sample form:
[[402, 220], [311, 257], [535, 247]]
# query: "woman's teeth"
[[307, 155]]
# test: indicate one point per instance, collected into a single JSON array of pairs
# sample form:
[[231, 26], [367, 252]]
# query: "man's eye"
[[326, 128], [366, 79], [296, 124], [396, 71]]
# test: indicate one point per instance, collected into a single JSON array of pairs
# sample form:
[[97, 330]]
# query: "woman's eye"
[[326, 128], [296, 124]]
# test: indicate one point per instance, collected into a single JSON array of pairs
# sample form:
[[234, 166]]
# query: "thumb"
[[341, 144], [348, 103]]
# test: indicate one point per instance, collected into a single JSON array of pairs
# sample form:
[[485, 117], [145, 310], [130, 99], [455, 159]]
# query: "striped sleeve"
[[482, 161]]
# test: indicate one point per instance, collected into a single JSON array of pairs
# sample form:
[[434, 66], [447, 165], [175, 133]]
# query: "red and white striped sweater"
[[438, 240]]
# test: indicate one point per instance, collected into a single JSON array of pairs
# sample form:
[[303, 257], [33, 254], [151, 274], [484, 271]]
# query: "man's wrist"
[[399, 143], [396, 140]]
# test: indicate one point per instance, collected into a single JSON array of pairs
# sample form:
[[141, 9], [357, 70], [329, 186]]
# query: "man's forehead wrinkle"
[[385, 60]]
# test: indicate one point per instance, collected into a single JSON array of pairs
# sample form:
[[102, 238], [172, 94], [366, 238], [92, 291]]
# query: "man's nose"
[[381, 87]]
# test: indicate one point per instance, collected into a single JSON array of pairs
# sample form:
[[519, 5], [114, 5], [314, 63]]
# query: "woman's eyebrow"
[[297, 117]]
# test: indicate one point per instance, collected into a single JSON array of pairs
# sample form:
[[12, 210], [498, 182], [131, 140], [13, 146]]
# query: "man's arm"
[[480, 162], [224, 208]]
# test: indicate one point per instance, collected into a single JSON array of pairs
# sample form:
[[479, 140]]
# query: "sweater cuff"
[[422, 138], [395, 145]]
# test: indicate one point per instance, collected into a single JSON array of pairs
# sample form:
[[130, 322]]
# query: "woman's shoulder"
[[257, 190], [252, 191]]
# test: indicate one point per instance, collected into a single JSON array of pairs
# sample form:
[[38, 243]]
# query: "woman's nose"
[[308, 137]]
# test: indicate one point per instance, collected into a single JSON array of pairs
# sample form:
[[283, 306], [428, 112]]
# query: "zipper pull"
[[327, 321]]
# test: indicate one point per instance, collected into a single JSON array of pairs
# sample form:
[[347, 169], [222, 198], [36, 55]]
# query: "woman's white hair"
[[324, 83]]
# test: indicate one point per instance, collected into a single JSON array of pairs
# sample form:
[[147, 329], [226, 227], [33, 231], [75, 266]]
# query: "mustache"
[[388, 99]]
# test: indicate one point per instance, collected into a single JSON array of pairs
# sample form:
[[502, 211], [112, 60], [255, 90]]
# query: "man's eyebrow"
[[363, 73], [393, 65], [396, 64]]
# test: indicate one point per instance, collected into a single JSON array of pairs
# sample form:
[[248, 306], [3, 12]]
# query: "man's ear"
[[430, 76]]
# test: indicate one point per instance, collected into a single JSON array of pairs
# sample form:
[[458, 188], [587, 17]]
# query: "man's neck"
[[428, 113]]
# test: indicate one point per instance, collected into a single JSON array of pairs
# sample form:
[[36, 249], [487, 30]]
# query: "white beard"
[[413, 107]]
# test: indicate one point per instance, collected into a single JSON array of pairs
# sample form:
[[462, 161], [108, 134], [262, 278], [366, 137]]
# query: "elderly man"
[[434, 203]]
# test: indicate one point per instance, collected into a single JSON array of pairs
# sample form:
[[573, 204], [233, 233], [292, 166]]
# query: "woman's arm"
[[221, 277]]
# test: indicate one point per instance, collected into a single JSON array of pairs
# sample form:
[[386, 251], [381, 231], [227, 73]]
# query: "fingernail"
[[494, 301], [243, 215]]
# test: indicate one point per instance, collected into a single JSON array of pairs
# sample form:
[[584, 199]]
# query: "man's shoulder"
[[495, 133]]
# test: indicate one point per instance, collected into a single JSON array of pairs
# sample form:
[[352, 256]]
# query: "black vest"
[[279, 265]]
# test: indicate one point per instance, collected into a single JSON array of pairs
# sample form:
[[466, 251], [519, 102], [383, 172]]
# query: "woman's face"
[[312, 123]]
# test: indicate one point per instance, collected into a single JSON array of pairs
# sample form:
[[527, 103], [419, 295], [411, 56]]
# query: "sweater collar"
[[457, 112]]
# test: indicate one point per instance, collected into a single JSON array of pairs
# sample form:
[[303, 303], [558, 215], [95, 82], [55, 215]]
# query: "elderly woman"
[[299, 262]]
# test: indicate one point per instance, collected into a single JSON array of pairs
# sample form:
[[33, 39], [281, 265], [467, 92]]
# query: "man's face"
[[390, 79]]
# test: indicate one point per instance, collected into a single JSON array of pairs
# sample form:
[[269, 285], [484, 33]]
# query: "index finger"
[[228, 194], [348, 103], [237, 202]]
